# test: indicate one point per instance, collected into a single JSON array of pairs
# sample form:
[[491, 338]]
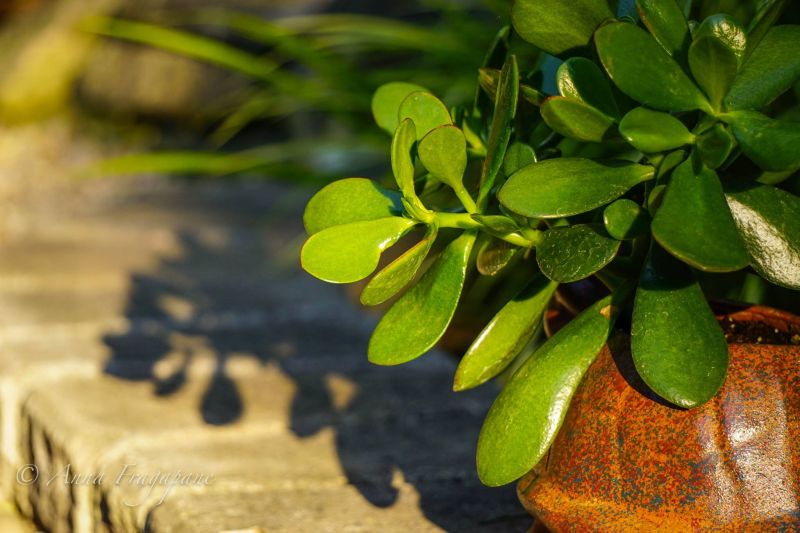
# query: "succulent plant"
[[670, 152]]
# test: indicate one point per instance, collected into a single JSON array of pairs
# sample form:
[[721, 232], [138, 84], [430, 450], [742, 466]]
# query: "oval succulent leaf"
[[769, 222], [580, 79], [678, 348], [350, 252], [715, 145], [497, 223], [713, 66], [518, 155], [575, 252], [565, 186], [425, 110], [399, 273], [658, 81], [667, 24], [559, 27], [695, 225], [652, 131], [443, 151], [771, 144], [417, 321], [386, 103], [505, 336], [625, 219], [576, 119], [770, 70], [349, 200], [526, 416], [494, 255], [402, 163], [727, 30]]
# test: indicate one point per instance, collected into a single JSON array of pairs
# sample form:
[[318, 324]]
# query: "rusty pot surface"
[[624, 460]]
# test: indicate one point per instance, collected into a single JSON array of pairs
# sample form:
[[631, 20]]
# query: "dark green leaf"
[[695, 225], [350, 252], [769, 71], [769, 221], [426, 111], [580, 79], [567, 186], [386, 103], [625, 219], [402, 162], [678, 348], [715, 145], [399, 273], [526, 416], [667, 24], [559, 27], [727, 30], [494, 255], [443, 151], [518, 155], [713, 66], [771, 144], [505, 336], [575, 252], [766, 16], [417, 321], [644, 71], [349, 200], [576, 120], [652, 131]]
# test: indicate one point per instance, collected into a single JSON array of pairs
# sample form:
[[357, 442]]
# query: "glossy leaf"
[[644, 71], [767, 14], [526, 416], [726, 29], [402, 162], [559, 27], [580, 79], [576, 120], [417, 321], [494, 256], [386, 103], [667, 24], [443, 151], [349, 200], [575, 252], [652, 131], [505, 336], [769, 222], [426, 111], [625, 219], [771, 144], [715, 145], [399, 273], [567, 186], [350, 252], [713, 66], [695, 225], [518, 155], [769, 71], [678, 348]]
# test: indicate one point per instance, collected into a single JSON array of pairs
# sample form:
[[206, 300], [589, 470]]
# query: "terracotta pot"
[[626, 461]]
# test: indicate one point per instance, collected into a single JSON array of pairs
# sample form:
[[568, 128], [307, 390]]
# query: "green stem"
[[466, 200], [465, 221]]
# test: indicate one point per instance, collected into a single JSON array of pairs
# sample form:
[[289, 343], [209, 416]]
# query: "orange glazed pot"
[[624, 460]]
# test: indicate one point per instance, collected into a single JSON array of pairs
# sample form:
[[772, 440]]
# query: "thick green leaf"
[[443, 151], [580, 79], [559, 27], [715, 145], [652, 131], [575, 252], [494, 255], [497, 223], [726, 29], [505, 336], [417, 321], [402, 163], [526, 416], [769, 222], [678, 348], [576, 120], [425, 110], [518, 155], [695, 225], [769, 71], [399, 273], [625, 219], [386, 103], [350, 252], [713, 66], [667, 24], [565, 186], [644, 71], [349, 200], [771, 144], [767, 15]]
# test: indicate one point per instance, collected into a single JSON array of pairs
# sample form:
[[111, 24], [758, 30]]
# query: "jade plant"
[[666, 159]]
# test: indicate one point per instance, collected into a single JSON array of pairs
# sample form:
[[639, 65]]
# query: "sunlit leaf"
[[726, 29], [576, 120], [386, 103], [559, 27], [443, 151], [652, 131], [667, 24], [575, 252], [518, 155], [402, 162], [425, 110], [580, 79], [349, 200]]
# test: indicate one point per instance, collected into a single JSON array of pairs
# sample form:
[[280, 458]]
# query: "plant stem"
[[465, 221]]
